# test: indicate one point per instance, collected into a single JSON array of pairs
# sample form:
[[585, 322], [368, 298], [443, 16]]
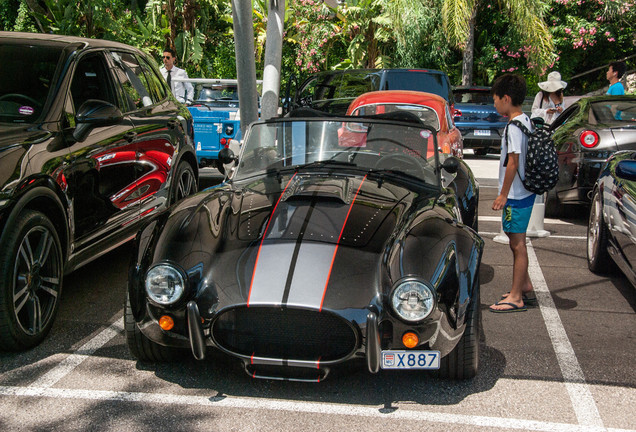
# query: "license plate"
[[410, 359], [479, 132]]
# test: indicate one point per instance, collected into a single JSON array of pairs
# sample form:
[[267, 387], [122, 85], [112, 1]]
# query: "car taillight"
[[589, 139]]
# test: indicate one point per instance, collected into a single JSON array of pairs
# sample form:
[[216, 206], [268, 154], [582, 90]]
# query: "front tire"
[[142, 348], [31, 273], [598, 259], [463, 361], [185, 182]]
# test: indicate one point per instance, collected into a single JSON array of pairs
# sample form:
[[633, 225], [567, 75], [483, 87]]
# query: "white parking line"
[[549, 221], [243, 403], [582, 400], [67, 365], [562, 237]]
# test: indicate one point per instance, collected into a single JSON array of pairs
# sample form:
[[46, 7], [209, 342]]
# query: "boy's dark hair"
[[172, 52], [618, 67], [513, 85]]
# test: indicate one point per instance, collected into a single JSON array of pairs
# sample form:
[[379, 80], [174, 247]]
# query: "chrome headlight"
[[165, 284], [412, 300]]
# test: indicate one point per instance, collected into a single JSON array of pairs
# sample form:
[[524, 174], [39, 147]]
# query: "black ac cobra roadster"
[[334, 238]]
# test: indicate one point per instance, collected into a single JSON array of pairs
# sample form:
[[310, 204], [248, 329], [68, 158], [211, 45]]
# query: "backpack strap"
[[524, 130]]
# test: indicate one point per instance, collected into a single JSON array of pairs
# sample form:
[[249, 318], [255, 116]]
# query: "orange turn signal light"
[[166, 322], [410, 340]]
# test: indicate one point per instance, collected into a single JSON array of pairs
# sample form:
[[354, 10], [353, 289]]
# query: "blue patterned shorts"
[[516, 215]]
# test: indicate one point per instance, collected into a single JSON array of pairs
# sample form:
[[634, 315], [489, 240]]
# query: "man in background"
[[183, 91], [614, 74]]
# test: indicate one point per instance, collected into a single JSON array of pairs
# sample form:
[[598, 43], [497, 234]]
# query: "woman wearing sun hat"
[[549, 102]]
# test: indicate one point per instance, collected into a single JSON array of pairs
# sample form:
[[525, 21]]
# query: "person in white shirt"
[[513, 199], [184, 92], [549, 102]]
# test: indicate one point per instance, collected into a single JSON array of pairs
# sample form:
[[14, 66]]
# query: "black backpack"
[[542, 164]]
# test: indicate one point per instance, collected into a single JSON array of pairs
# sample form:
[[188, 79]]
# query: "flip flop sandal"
[[530, 301], [514, 308]]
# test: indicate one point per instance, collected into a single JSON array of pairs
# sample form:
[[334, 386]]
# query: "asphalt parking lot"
[[565, 365]]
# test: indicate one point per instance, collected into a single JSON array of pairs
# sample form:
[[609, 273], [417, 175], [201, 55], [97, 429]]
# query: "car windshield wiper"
[[382, 174], [327, 162]]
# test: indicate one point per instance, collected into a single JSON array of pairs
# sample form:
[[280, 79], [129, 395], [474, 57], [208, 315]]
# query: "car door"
[[101, 168], [622, 220], [158, 124], [567, 147]]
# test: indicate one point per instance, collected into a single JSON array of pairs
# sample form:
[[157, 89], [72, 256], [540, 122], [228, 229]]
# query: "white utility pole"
[[273, 56], [245, 62]]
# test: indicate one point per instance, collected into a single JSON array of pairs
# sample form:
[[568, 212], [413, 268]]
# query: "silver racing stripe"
[[296, 273]]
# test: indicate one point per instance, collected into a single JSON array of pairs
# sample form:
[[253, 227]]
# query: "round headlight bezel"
[[170, 270], [420, 288]]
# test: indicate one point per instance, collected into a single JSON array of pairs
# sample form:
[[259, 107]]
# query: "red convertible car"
[[432, 110]]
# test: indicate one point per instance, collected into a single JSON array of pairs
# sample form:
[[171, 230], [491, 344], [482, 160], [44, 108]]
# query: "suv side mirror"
[[95, 113]]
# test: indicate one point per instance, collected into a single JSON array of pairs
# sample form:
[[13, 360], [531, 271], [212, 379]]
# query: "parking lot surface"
[[565, 365]]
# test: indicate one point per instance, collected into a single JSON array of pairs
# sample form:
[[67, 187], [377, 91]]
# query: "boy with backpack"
[[514, 199]]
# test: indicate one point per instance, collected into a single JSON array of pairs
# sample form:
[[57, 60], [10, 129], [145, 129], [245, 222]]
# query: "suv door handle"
[[130, 136]]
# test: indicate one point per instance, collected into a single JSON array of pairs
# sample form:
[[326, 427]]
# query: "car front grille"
[[284, 333]]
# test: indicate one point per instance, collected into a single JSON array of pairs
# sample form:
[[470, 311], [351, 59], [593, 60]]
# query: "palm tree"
[[459, 17]]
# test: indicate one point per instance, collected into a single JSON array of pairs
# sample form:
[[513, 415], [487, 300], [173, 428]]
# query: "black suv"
[[92, 144], [333, 91]]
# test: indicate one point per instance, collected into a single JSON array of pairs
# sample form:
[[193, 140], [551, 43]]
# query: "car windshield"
[[345, 144], [620, 110], [473, 96], [25, 85], [213, 93], [427, 115]]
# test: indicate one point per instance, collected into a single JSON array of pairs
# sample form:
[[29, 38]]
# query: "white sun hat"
[[553, 83]]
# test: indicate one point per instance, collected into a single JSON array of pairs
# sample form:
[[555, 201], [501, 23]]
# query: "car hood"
[[18, 134], [305, 241]]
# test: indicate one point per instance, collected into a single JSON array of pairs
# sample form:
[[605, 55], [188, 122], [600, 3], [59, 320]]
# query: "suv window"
[[431, 82], [155, 82], [332, 92], [91, 81], [342, 85], [133, 81], [26, 80]]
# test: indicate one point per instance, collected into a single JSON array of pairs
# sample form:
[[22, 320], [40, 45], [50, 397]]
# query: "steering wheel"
[[401, 162], [20, 96]]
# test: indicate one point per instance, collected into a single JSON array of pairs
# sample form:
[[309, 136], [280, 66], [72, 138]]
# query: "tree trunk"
[[273, 58], [469, 51]]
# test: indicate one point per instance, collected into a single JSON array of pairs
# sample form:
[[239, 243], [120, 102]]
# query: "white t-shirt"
[[517, 142]]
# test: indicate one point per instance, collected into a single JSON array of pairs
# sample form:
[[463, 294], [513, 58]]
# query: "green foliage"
[[8, 14], [360, 33]]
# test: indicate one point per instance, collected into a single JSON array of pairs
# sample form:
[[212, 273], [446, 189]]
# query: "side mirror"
[[451, 165], [95, 113], [226, 156], [626, 170], [538, 121]]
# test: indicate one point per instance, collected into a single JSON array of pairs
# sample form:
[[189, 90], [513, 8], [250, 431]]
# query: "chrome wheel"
[[31, 273], [598, 259], [593, 228], [37, 281], [186, 182]]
